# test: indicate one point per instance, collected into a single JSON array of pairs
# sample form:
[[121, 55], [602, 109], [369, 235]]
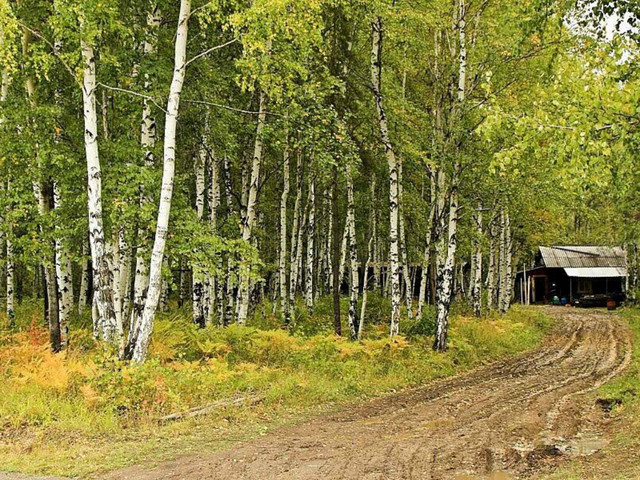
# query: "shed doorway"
[[539, 289]]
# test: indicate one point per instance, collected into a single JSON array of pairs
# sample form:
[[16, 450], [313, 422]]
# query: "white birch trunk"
[[84, 279], [214, 202], [354, 280], [493, 269], [427, 248], [476, 271], [376, 74], [365, 282], [64, 277], [403, 245], [11, 316], [247, 224], [200, 301], [171, 120], [284, 297], [295, 230], [506, 276], [445, 280], [148, 137], [311, 232], [102, 280]]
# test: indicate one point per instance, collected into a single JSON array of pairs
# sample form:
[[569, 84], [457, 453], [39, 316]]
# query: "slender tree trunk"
[[505, 262], [492, 274], [84, 278], [445, 282], [335, 255], [148, 137], [102, 279], [10, 268], [282, 267], [215, 292], [247, 224], [365, 282], [445, 278], [408, 292], [376, 74], [476, 271], [198, 289], [354, 280], [311, 232], [155, 270], [64, 278], [293, 270], [428, 246]]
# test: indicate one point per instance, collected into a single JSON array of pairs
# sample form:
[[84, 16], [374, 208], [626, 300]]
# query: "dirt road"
[[518, 416]]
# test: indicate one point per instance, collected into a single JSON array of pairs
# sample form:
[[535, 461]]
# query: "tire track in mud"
[[502, 417]]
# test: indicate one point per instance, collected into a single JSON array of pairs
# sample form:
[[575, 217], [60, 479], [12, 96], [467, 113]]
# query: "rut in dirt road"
[[517, 416]]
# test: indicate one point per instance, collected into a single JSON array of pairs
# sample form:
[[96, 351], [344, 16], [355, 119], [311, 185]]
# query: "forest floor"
[[517, 418]]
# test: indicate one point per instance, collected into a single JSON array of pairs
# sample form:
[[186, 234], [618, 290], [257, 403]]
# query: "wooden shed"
[[573, 274]]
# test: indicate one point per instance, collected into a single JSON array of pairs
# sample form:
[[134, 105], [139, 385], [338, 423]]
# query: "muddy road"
[[519, 416]]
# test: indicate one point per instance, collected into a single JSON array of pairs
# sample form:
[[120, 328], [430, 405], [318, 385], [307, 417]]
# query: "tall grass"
[[74, 398]]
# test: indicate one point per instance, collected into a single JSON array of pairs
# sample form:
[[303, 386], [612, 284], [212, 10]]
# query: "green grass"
[[82, 412]]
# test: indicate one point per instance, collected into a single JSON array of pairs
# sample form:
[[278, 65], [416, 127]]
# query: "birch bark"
[[148, 137], [354, 286], [293, 270], [102, 276], [311, 232], [247, 224], [64, 277], [155, 271], [284, 297], [198, 289], [476, 290], [376, 78]]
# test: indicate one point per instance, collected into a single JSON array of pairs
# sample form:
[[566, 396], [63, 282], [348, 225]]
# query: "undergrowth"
[[82, 412]]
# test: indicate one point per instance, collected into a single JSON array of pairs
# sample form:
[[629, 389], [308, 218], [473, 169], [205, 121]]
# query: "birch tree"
[[145, 324], [394, 264]]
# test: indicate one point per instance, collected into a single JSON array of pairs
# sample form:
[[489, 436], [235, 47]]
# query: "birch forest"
[[190, 176]]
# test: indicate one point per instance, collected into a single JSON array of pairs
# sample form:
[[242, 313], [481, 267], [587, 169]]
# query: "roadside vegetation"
[[82, 412]]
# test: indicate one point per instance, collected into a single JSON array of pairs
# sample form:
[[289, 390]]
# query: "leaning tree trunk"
[[145, 328], [249, 220], [376, 74], [354, 280], [476, 271], [102, 281]]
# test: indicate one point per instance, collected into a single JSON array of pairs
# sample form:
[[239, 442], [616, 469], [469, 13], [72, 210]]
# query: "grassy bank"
[[619, 460], [81, 412]]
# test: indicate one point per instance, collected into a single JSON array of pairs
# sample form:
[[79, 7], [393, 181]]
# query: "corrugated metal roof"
[[583, 257], [597, 272]]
